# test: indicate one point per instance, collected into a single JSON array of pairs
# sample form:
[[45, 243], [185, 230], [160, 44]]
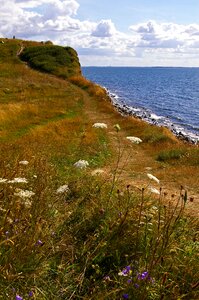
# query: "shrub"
[[60, 61], [170, 154]]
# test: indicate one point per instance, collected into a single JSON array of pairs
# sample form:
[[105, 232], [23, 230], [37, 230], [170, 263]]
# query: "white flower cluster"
[[100, 125], [15, 180], [134, 139], [81, 164], [97, 172], [24, 193], [18, 180], [154, 190], [152, 177], [62, 189], [2, 180], [23, 162]]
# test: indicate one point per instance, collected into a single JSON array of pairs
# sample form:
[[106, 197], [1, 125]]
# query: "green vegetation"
[[60, 61], [107, 230], [170, 154]]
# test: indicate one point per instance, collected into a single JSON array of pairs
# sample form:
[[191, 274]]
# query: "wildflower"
[[154, 207], [30, 294], [62, 189], [18, 180], [134, 139], [23, 162], [154, 190], [143, 275], [39, 243], [136, 286], [81, 164], [129, 280], [125, 296], [24, 193], [97, 172], [151, 177], [100, 125], [3, 180], [18, 297], [125, 272]]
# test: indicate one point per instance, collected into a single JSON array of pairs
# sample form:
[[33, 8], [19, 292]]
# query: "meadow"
[[93, 205]]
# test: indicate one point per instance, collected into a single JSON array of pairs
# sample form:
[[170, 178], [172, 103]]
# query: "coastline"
[[151, 118]]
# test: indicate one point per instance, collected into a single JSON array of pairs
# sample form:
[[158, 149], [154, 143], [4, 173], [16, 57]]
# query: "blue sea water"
[[160, 95]]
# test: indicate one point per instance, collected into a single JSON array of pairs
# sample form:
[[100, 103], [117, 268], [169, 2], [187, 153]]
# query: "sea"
[[164, 96]]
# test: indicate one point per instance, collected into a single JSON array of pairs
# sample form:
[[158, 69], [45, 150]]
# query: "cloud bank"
[[100, 43]]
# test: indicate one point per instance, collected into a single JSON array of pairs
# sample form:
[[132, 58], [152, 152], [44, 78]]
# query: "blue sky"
[[125, 12], [110, 32]]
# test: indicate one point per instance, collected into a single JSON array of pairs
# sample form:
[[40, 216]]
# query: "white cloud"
[[105, 28], [149, 43]]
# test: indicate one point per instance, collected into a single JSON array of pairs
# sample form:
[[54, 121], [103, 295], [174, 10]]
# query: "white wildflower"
[[97, 172], [134, 139], [81, 164], [154, 191], [62, 189], [100, 125], [18, 180], [154, 208], [150, 176], [23, 162], [3, 180], [27, 203], [24, 193]]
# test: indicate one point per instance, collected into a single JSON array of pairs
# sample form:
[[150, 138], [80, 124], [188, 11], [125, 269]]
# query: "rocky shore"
[[152, 118]]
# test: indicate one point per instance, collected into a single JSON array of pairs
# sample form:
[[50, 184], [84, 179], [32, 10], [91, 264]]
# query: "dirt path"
[[21, 49]]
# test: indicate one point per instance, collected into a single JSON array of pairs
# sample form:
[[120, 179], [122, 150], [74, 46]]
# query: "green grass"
[[174, 154]]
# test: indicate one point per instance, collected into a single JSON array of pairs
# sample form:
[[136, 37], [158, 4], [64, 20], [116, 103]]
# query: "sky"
[[110, 32]]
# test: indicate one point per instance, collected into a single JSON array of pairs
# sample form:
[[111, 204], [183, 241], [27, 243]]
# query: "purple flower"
[[125, 272], [18, 297], [136, 286], [129, 281], [39, 243], [125, 296], [143, 275], [30, 294]]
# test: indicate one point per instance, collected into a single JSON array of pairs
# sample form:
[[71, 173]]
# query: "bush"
[[60, 61], [170, 154]]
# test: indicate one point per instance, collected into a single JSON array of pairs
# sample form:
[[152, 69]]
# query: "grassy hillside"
[[108, 230]]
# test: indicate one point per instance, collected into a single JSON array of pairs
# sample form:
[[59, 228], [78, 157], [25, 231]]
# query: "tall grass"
[[108, 241]]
